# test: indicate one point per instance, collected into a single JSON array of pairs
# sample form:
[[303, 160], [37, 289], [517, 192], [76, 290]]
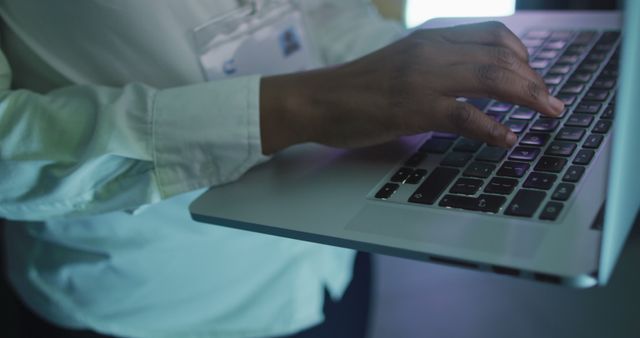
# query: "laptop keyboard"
[[536, 177]]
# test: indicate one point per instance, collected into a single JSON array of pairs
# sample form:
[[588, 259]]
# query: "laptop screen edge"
[[623, 192]]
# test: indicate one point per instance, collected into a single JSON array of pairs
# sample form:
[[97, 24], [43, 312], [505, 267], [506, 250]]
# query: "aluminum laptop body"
[[327, 195]]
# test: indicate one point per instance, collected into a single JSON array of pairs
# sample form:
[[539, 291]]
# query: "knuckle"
[[505, 57], [499, 30], [460, 116], [488, 75], [533, 90]]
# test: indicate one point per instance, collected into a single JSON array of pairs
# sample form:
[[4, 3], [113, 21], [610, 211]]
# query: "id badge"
[[258, 38]]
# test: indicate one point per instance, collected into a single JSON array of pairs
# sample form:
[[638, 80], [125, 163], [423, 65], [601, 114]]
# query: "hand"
[[406, 88]]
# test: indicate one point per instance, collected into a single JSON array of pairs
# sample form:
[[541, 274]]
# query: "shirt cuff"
[[205, 134]]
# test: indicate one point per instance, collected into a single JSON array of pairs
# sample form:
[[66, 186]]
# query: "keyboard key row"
[[485, 203]]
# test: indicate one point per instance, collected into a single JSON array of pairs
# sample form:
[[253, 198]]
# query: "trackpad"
[[431, 230]]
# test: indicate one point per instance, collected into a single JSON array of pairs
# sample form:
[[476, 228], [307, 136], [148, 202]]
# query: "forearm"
[[89, 149]]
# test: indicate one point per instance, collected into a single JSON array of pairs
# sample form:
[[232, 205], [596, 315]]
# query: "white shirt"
[[107, 111]]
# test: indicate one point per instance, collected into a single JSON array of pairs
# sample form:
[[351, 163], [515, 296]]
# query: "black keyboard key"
[[603, 47], [608, 112], [563, 191], [572, 88], [524, 154], [401, 175], [579, 120], [560, 70], [562, 35], [525, 203], [466, 186], [523, 113], [387, 190], [456, 159], [501, 185], [540, 181], [587, 107], [593, 141], [556, 44], [436, 145], [467, 145], [568, 59], [596, 95], [491, 154], [580, 77], [570, 134], [553, 80], [547, 54], [573, 174], [489, 203], [609, 37], [535, 139], [610, 72], [585, 37], [557, 148], [480, 103], [596, 57], [545, 124], [561, 116], [602, 127], [577, 49], [588, 67], [457, 201], [532, 42], [415, 159], [539, 63], [516, 126], [604, 83], [551, 164], [433, 186], [478, 169], [513, 169], [500, 107], [583, 156], [567, 99], [484, 203], [416, 176], [551, 211], [538, 34]]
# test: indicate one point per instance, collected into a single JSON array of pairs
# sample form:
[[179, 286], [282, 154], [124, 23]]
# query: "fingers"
[[490, 80], [466, 120], [488, 33], [489, 60], [495, 55]]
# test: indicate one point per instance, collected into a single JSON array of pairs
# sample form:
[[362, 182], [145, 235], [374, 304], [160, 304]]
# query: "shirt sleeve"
[[89, 149], [347, 29]]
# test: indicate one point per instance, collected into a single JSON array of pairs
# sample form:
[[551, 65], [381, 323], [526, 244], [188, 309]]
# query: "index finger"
[[464, 119]]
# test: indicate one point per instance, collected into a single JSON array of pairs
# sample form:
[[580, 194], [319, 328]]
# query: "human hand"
[[406, 88]]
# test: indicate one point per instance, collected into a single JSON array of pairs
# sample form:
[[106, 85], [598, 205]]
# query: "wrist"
[[283, 107]]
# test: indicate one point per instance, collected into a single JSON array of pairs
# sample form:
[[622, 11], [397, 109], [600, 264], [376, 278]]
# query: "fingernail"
[[556, 104], [511, 139]]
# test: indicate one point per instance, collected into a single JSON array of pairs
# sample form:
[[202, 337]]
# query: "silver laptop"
[[555, 208]]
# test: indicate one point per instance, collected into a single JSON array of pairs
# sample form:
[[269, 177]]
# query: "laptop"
[[556, 208]]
